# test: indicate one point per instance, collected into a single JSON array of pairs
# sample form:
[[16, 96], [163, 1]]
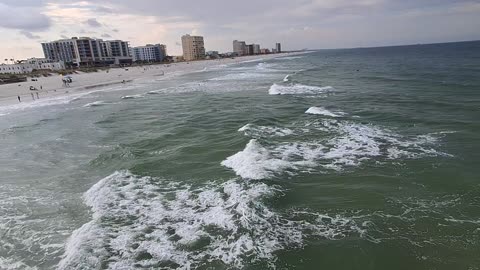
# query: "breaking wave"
[[147, 222], [132, 96], [298, 89], [96, 104], [344, 144], [323, 111]]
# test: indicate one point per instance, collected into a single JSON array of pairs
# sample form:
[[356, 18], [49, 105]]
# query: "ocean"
[[361, 158]]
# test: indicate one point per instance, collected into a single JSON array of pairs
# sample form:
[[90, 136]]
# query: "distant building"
[[193, 47], [213, 54], [149, 53], [256, 49], [30, 65], [85, 51], [239, 47], [264, 51], [249, 49], [115, 52], [278, 47]]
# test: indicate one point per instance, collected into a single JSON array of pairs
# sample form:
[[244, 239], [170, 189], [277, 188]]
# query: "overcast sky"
[[296, 24]]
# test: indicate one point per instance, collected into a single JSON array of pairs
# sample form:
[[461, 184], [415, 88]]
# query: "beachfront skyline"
[[309, 24]]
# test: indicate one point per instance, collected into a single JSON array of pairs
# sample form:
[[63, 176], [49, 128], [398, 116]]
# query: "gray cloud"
[[93, 23], [23, 18], [297, 24], [64, 36], [106, 36], [331, 23], [29, 35]]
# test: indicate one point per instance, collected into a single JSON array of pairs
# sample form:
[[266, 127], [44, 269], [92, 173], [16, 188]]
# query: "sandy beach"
[[53, 86]]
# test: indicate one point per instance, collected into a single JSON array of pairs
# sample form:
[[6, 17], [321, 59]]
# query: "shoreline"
[[52, 86]]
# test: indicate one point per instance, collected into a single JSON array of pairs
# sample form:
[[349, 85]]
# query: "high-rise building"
[[65, 50], [193, 47], [87, 51], [149, 53], [256, 49], [249, 49], [239, 47], [278, 47]]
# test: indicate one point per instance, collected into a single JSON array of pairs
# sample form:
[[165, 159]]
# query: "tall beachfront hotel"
[[193, 47]]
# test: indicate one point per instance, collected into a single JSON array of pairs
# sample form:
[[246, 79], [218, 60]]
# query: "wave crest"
[[298, 89]]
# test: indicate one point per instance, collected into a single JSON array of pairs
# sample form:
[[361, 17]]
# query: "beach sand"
[[53, 86]]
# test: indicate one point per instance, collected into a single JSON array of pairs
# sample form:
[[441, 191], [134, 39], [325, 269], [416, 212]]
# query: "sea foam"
[[265, 131], [343, 145], [298, 89], [149, 222]]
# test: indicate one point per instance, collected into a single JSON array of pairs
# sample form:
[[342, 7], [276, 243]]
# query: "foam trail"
[[289, 58], [238, 76], [298, 89], [323, 111], [95, 104], [254, 60], [264, 131], [42, 102]]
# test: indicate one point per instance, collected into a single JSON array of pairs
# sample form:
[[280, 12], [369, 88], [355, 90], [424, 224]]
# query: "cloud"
[[93, 23], [23, 18], [297, 24], [106, 36], [101, 9], [64, 36], [29, 35]]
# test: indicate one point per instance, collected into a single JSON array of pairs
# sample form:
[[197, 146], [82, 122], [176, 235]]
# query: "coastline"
[[52, 86]]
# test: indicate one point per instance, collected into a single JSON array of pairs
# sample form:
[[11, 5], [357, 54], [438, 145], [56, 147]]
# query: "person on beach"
[[33, 97], [19, 99], [38, 96]]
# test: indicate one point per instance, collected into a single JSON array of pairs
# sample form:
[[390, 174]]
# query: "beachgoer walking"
[[41, 87], [38, 96], [33, 97], [19, 99]]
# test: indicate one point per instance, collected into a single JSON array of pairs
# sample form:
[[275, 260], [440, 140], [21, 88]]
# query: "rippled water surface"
[[337, 159]]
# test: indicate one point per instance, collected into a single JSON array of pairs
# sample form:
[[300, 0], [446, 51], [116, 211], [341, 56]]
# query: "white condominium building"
[[149, 53], [87, 51]]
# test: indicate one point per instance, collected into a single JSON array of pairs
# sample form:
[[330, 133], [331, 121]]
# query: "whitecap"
[[298, 89], [132, 96], [95, 104], [323, 111], [255, 162], [346, 145]]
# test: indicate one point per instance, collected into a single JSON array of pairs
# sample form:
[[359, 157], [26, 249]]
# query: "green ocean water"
[[335, 159]]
